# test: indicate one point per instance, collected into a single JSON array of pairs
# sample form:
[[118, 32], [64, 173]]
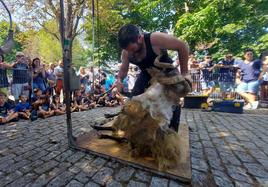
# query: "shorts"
[[227, 86], [207, 85], [18, 89], [59, 86], [250, 87]]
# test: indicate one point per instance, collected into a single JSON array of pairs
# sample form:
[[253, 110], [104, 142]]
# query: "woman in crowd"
[[39, 75]]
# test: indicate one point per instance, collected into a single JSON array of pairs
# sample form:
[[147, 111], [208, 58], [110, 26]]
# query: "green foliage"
[[108, 20], [229, 25], [4, 27]]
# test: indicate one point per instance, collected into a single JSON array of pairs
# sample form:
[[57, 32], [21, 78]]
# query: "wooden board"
[[120, 152]]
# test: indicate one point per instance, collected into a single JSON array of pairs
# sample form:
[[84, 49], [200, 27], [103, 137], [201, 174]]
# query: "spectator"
[[91, 75], [3, 75], [250, 75], [194, 71], [59, 78], [79, 101], [23, 108], [39, 75], [57, 106], [51, 77], [131, 77], [83, 76], [44, 109], [20, 78], [206, 79], [226, 74], [264, 77], [6, 114]]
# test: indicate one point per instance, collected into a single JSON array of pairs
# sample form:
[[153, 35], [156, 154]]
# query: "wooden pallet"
[[120, 152]]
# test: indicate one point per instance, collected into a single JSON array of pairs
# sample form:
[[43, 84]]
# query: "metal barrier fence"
[[25, 76], [218, 79]]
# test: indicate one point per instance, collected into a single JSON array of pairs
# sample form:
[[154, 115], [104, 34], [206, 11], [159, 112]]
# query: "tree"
[[228, 25], [108, 21], [40, 12], [4, 27]]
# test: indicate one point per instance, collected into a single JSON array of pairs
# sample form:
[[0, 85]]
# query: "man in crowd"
[[141, 49], [227, 74], [206, 78], [20, 79]]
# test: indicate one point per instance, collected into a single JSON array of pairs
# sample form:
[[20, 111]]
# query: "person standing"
[[20, 76], [59, 77], [250, 71], [3, 75]]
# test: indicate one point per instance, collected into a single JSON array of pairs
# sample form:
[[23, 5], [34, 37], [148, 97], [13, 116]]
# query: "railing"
[[217, 78]]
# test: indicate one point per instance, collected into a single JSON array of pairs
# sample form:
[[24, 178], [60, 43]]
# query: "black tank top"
[[148, 61]]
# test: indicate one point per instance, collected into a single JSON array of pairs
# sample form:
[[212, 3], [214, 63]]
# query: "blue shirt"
[[251, 71], [22, 107]]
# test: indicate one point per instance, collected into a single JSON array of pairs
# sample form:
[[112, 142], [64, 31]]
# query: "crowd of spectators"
[[36, 91], [247, 77]]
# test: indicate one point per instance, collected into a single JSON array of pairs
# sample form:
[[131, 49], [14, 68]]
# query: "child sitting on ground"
[[79, 101], [23, 107], [89, 100], [6, 114], [57, 106], [44, 109]]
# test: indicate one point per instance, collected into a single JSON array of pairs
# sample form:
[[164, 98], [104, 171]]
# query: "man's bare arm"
[[124, 66], [169, 42]]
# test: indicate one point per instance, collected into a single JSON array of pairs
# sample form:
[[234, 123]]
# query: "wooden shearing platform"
[[111, 149]]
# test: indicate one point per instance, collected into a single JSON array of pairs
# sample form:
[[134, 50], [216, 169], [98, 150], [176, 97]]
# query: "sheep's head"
[[169, 76]]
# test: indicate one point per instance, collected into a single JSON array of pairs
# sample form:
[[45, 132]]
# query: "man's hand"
[[188, 78], [119, 85]]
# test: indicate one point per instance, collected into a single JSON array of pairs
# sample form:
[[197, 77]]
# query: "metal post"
[[67, 65], [93, 32]]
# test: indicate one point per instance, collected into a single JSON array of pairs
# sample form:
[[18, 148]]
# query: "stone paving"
[[226, 150]]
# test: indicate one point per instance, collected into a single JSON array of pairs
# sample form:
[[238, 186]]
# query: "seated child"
[[79, 101], [35, 100], [89, 100], [57, 106], [23, 107], [44, 109], [6, 114]]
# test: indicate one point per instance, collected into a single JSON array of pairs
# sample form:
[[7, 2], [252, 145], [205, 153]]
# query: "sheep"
[[143, 121]]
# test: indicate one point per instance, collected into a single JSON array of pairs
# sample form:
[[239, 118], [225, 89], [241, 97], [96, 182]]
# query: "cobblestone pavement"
[[226, 150]]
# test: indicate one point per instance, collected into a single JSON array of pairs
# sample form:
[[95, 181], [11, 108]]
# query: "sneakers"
[[251, 106], [247, 107], [254, 105]]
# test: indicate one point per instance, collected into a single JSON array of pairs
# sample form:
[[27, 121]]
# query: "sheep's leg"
[[107, 115], [116, 138], [101, 128]]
